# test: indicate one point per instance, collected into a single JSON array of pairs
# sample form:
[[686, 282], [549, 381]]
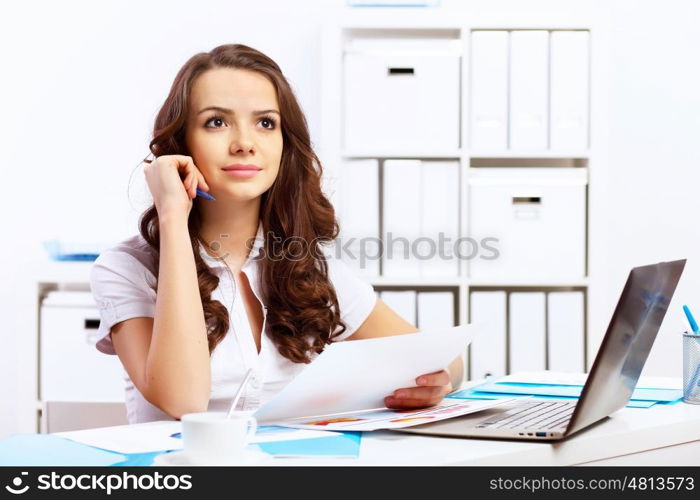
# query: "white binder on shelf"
[[569, 80], [565, 320], [359, 216], [439, 219], [526, 331], [488, 349], [489, 91], [403, 302], [529, 92], [435, 309], [402, 217]]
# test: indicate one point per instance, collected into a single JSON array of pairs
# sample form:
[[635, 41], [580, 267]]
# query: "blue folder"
[[346, 444], [639, 394], [641, 397], [49, 450]]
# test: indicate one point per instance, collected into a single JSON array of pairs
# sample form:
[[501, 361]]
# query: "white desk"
[[660, 435]]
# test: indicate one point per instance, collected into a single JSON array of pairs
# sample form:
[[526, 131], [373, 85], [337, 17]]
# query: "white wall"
[[654, 160], [82, 81]]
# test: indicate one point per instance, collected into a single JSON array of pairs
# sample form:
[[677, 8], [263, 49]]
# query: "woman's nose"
[[242, 142]]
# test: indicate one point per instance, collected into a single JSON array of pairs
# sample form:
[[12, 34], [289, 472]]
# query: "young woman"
[[210, 289]]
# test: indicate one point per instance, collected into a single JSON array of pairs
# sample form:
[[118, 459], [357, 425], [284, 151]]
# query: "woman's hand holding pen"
[[432, 388], [173, 181]]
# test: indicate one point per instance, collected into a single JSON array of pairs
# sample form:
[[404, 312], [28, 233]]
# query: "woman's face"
[[244, 129]]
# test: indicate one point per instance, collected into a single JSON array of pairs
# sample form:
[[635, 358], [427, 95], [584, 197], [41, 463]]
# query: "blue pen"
[[204, 195], [691, 320]]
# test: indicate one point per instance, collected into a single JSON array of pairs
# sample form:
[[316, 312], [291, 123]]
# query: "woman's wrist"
[[456, 371], [171, 219]]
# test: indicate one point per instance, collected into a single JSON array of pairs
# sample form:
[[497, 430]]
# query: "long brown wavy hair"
[[303, 310]]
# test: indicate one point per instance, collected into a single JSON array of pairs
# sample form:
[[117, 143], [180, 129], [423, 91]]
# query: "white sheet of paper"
[[137, 438], [156, 436], [357, 375]]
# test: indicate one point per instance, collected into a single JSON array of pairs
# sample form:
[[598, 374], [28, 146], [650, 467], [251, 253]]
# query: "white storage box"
[[71, 368], [538, 216], [401, 95]]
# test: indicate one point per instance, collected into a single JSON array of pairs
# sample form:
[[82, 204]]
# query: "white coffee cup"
[[211, 438]]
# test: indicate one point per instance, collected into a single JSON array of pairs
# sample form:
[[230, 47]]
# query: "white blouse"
[[121, 280]]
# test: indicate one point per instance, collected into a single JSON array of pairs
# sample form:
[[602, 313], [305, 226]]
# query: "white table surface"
[[627, 431], [660, 435]]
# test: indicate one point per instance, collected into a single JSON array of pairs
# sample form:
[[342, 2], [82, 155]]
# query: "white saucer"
[[249, 456]]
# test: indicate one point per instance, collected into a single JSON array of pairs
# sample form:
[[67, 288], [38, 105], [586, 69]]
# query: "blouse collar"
[[219, 262]]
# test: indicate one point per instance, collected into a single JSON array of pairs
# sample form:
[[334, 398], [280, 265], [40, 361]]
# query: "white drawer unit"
[[537, 219], [381, 77], [70, 367]]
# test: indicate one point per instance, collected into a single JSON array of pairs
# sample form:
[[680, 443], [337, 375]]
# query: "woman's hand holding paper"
[[432, 388]]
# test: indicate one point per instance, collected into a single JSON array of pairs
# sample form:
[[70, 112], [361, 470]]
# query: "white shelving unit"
[[59, 401], [436, 25]]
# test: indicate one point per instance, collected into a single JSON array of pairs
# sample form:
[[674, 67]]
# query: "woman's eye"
[[270, 121], [214, 119]]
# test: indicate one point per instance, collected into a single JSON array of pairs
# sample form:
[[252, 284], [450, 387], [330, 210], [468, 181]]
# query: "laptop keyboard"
[[544, 416]]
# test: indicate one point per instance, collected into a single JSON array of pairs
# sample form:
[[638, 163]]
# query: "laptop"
[[610, 383]]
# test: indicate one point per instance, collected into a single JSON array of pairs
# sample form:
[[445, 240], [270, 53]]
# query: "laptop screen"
[[627, 342]]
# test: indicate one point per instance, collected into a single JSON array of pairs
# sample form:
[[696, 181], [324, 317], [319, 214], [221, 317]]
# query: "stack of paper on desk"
[[562, 385], [345, 386]]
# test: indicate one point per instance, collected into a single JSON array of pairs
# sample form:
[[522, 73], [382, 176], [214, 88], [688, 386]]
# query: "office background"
[[82, 83]]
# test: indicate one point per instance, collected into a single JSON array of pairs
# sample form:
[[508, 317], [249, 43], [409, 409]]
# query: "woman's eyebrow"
[[231, 112]]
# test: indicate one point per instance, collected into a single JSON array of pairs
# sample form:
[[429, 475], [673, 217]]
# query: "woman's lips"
[[242, 166], [242, 173]]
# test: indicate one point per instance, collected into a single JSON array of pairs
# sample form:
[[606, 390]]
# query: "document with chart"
[[355, 376], [373, 420]]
